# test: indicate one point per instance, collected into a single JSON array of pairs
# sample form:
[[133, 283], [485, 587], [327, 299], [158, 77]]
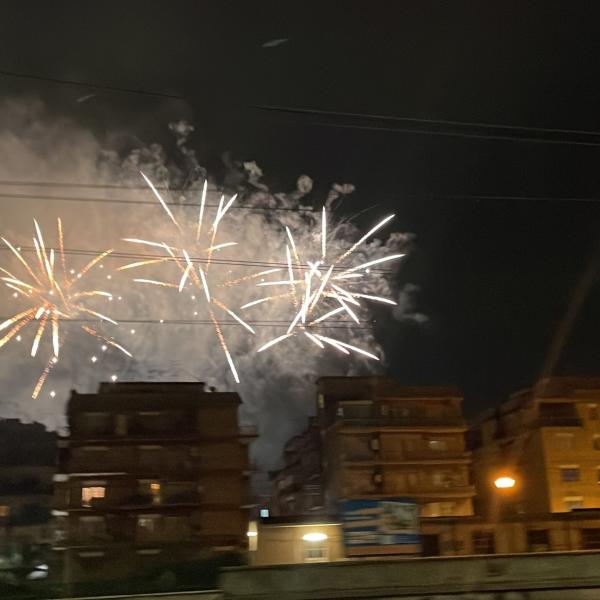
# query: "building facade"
[[382, 440], [28, 457], [297, 489], [547, 440], [151, 474]]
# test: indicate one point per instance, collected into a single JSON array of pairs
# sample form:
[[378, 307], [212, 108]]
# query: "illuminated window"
[[4, 510], [88, 494], [155, 492], [573, 502], [264, 513], [150, 489], [568, 474]]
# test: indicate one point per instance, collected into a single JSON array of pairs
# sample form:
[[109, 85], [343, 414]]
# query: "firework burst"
[[54, 295], [323, 289], [192, 255]]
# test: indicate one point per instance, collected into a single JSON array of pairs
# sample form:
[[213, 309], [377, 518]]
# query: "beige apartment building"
[[547, 440], [383, 440]]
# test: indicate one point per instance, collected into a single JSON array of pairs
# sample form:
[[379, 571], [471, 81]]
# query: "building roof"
[[564, 388], [145, 396], [299, 520], [381, 386]]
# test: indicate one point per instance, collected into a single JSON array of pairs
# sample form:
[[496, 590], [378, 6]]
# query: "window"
[[150, 489], [593, 412], [155, 491], [264, 513], [88, 493], [315, 552], [4, 510], [92, 527], [590, 539], [570, 474], [121, 425], [573, 502], [437, 445], [537, 540], [410, 444], [147, 525], [401, 412], [563, 441], [597, 442], [95, 423], [483, 542], [438, 509], [413, 479]]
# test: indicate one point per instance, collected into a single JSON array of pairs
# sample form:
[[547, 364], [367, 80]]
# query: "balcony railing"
[[382, 421], [424, 454], [557, 421], [416, 489]]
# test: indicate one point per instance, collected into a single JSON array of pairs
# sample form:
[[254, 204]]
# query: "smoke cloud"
[[277, 385]]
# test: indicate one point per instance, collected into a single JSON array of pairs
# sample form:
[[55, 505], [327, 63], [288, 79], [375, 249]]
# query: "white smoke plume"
[[277, 386]]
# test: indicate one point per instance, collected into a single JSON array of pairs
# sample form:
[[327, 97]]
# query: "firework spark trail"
[[52, 296], [199, 242], [314, 286]]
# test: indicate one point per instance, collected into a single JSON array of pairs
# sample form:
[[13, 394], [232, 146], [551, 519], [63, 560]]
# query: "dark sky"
[[496, 276]]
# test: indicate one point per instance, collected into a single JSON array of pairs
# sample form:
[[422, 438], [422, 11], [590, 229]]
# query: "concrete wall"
[[572, 576]]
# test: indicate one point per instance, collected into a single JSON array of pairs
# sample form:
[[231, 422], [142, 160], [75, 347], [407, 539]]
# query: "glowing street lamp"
[[504, 482], [314, 537]]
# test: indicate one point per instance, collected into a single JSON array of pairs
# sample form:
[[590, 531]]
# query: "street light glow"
[[314, 537], [503, 483]]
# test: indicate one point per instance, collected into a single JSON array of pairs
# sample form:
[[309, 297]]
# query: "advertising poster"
[[373, 527]]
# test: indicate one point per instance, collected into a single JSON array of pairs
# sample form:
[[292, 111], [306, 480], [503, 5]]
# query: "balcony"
[[557, 421], [417, 490], [423, 455], [374, 421]]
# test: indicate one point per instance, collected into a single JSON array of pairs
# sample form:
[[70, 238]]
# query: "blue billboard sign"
[[383, 526]]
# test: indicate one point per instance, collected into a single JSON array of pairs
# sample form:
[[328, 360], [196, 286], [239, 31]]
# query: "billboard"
[[389, 526]]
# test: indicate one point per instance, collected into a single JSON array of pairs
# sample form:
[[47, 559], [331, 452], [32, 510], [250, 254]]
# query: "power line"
[[76, 184], [300, 209], [481, 136], [193, 259], [341, 324], [87, 84], [502, 135], [82, 199], [481, 124]]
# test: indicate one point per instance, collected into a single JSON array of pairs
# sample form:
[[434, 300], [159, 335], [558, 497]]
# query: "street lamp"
[[505, 482], [314, 537]]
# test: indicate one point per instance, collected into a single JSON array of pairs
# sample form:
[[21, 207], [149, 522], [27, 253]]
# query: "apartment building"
[[298, 487], [151, 473], [546, 441], [27, 464], [381, 439]]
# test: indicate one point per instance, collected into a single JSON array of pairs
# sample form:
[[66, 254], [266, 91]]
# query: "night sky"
[[496, 276]]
